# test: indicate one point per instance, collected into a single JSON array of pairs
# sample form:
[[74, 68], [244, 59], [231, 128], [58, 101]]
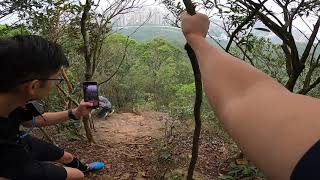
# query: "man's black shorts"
[[308, 168], [35, 167]]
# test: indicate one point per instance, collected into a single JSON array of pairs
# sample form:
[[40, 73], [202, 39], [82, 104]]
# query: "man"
[[106, 107], [29, 69], [278, 130]]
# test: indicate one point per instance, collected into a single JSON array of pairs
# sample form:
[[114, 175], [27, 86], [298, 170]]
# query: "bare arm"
[[226, 77], [49, 119], [52, 118], [272, 126]]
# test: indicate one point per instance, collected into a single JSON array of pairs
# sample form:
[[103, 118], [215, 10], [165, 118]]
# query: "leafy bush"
[[242, 171]]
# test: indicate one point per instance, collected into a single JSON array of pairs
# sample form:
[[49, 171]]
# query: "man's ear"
[[31, 88]]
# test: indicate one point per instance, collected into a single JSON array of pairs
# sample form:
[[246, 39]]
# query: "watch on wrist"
[[71, 115]]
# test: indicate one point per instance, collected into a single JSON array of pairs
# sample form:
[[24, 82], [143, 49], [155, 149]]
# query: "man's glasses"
[[58, 81]]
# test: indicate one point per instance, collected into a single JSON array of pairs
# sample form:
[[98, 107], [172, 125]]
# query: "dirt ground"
[[148, 145]]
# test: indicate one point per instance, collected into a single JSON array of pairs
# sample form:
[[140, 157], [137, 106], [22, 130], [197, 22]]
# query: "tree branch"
[[67, 96], [313, 85], [216, 41], [198, 100], [275, 28], [274, 16], [246, 55], [311, 41], [50, 139], [289, 66], [246, 21], [294, 13], [307, 80], [314, 52], [85, 36]]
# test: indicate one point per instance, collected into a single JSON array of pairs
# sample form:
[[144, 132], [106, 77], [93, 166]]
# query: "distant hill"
[[175, 36], [145, 33], [149, 32]]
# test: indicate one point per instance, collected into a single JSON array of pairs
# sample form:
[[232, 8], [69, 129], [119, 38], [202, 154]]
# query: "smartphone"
[[35, 108], [90, 93]]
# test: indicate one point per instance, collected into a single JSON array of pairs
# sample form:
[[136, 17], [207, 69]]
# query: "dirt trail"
[[142, 147], [129, 128]]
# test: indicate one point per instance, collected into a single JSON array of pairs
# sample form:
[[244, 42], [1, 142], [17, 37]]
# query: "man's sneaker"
[[94, 166], [105, 116]]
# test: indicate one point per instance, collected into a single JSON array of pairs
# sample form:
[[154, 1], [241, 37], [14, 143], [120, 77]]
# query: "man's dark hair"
[[28, 57]]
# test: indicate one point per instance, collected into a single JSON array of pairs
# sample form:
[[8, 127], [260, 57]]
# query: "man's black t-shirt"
[[25, 158], [13, 152], [10, 127]]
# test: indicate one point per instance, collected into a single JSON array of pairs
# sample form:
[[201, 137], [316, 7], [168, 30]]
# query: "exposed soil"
[[150, 145]]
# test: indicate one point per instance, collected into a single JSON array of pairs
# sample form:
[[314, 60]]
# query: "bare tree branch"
[[272, 14], [68, 96], [289, 65], [216, 41], [246, 55], [246, 48], [304, 34], [314, 52], [267, 21], [50, 139], [313, 85], [293, 14], [246, 21], [311, 41]]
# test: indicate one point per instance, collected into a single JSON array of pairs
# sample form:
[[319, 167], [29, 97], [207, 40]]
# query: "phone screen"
[[91, 93]]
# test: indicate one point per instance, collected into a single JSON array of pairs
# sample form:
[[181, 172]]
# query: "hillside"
[[175, 36], [145, 33]]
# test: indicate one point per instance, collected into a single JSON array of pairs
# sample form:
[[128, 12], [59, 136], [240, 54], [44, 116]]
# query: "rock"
[[182, 174], [105, 177], [141, 176], [125, 176]]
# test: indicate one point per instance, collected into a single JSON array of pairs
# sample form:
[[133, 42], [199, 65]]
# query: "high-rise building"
[[153, 16]]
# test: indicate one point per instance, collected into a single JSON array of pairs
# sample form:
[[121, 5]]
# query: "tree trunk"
[[86, 124], [87, 56], [69, 85], [293, 78]]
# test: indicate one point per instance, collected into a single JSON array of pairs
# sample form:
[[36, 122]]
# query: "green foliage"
[[8, 31], [70, 130], [245, 172], [156, 73], [54, 102], [170, 34], [174, 177], [166, 156], [265, 56], [149, 77], [182, 106]]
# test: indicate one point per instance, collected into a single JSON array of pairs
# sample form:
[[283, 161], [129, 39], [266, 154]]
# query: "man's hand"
[[83, 109], [196, 25]]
